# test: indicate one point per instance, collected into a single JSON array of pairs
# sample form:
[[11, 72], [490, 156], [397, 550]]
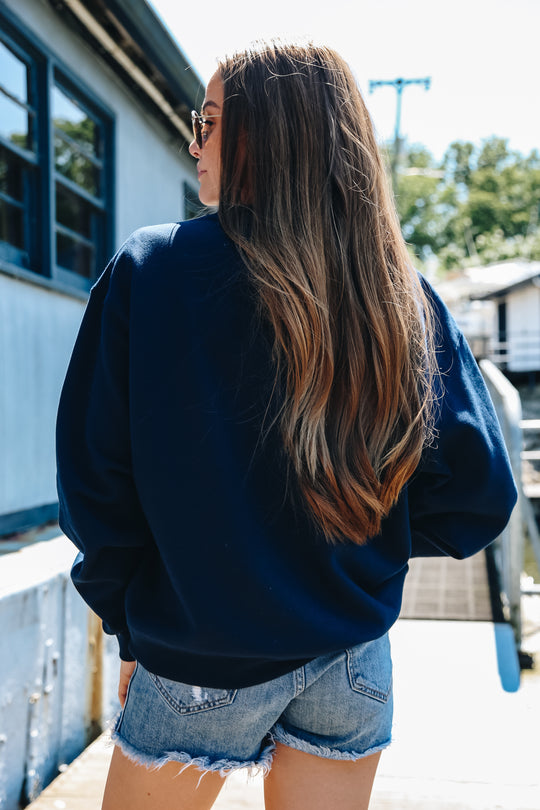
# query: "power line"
[[400, 85]]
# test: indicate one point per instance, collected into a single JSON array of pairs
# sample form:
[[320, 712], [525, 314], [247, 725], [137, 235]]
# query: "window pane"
[[74, 121], [11, 225], [17, 181], [75, 166], [81, 217], [13, 74], [73, 212], [13, 122], [11, 175], [73, 255]]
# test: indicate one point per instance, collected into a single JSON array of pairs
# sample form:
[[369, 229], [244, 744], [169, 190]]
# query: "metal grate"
[[444, 588]]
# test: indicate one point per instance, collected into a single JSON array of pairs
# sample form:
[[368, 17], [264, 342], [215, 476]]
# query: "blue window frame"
[[79, 138], [18, 156], [56, 202]]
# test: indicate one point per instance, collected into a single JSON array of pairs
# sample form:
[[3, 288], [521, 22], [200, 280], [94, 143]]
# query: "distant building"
[[95, 101], [515, 330], [472, 296]]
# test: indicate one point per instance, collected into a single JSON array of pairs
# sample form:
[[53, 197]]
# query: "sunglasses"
[[198, 122]]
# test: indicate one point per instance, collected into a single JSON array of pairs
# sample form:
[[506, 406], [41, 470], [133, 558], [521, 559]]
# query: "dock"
[[465, 735]]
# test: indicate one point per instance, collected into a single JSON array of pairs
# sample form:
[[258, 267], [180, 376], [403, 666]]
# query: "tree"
[[481, 203], [74, 145]]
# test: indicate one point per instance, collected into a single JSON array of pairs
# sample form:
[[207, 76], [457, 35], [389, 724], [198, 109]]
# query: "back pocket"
[[186, 699], [369, 666]]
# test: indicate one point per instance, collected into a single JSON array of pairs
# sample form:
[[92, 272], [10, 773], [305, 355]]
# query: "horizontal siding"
[[38, 325], [37, 331]]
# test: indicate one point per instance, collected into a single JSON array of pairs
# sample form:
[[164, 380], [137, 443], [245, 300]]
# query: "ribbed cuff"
[[123, 643]]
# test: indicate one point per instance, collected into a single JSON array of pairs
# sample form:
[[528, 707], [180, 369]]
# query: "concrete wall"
[[58, 673]]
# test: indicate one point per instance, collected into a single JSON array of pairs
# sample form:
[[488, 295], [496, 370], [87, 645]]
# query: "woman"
[[265, 416]]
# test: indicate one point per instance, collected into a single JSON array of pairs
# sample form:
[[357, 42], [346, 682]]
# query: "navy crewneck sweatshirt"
[[173, 484]]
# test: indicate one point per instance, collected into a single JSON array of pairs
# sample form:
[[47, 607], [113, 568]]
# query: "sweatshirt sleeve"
[[99, 507], [462, 495]]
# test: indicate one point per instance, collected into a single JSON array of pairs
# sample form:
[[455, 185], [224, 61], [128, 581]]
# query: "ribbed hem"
[[123, 643]]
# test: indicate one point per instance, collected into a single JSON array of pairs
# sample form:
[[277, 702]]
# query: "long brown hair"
[[304, 196]]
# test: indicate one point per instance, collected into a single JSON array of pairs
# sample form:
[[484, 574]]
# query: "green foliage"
[[72, 154], [480, 204], [19, 139]]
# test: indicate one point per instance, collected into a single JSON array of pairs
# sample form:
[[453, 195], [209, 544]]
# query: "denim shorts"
[[338, 706]]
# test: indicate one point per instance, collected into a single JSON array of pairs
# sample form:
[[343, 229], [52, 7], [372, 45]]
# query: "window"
[[18, 157], [79, 185], [55, 168]]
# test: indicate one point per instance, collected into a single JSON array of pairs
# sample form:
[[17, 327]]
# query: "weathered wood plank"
[[530, 424], [81, 786]]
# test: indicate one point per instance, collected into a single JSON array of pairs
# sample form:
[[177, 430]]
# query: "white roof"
[[487, 278]]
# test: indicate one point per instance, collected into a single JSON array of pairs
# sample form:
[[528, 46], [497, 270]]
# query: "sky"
[[481, 56]]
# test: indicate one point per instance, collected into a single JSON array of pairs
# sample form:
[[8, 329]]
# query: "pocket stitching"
[[358, 685], [226, 700]]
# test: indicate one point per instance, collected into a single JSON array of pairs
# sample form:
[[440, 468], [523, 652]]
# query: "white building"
[[95, 102], [471, 298], [515, 331]]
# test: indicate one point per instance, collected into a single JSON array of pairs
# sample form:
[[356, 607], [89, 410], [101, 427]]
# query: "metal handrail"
[[509, 546]]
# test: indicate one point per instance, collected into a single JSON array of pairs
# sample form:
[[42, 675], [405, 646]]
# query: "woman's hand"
[[126, 671]]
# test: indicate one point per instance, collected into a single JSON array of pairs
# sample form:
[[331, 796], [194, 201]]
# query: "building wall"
[[37, 328], [58, 674], [39, 323], [475, 319], [523, 329], [150, 163]]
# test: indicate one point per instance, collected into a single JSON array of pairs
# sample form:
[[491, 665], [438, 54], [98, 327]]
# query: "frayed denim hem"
[[278, 734], [203, 764]]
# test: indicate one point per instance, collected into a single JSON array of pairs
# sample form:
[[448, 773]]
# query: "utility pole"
[[400, 85]]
